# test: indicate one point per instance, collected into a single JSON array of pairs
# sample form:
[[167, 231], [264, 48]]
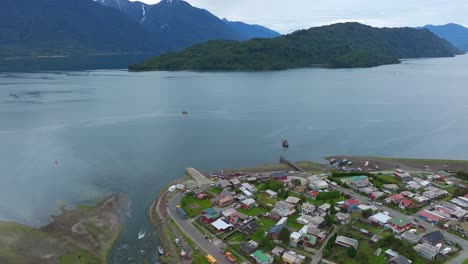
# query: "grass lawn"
[[253, 211], [78, 257], [192, 206], [292, 222], [264, 199], [214, 190], [371, 228], [388, 179]]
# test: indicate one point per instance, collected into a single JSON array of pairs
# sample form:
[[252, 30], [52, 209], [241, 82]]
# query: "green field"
[[192, 206]]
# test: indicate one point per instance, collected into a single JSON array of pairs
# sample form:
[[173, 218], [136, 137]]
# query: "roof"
[[426, 248], [346, 241], [304, 219], [380, 217], [431, 215], [391, 252], [341, 216], [249, 227], [399, 260], [352, 202], [411, 237], [229, 212], [272, 193], [406, 202], [308, 206], [292, 200], [248, 201], [210, 212], [295, 235], [220, 224], [357, 178], [309, 238], [277, 250], [395, 197], [263, 257], [245, 247], [399, 221], [434, 238], [276, 229]]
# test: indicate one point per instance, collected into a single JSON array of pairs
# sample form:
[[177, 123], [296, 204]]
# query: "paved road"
[[429, 228], [193, 233]]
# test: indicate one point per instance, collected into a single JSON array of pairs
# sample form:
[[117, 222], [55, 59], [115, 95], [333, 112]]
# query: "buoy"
[[56, 162]]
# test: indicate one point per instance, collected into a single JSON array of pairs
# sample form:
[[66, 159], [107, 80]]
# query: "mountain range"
[[342, 45], [456, 34], [55, 27]]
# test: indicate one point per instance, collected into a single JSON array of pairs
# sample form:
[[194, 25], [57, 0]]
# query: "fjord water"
[[114, 131]]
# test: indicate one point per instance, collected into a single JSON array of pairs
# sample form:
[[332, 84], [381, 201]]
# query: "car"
[[177, 241], [379, 203], [422, 227], [448, 243], [178, 206]]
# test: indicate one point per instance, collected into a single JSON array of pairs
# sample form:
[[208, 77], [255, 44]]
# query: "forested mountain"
[[456, 34], [339, 46], [248, 31]]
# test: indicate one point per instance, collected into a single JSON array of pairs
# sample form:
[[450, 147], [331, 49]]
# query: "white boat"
[[161, 251], [141, 234]]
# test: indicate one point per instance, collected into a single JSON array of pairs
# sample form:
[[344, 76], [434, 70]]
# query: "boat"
[[161, 251], [184, 112], [141, 234], [285, 143]]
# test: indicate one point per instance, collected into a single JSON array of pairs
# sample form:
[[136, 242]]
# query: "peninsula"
[[83, 235], [347, 210], [343, 45]]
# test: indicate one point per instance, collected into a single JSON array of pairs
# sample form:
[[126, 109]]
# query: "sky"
[[286, 16]]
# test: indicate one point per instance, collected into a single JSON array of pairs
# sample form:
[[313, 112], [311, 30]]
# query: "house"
[[246, 192], [248, 228], [222, 184], [421, 199], [248, 203], [225, 201], [307, 208], [304, 219], [346, 242], [434, 238], [461, 227], [442, 210], [376, 195], [292, 200], [277, 251], [235, 183], [271, 194], [300, 189], [410, 237], [391, 187], [363, 207], [324, 208], [380, 218], [351, 204], [209, 215], [412, 185], [274, 231], [221, 226], [357, 181], [343, 218], [459, 214], [248, 248], [460, 201], [318, 185], [279, 175], [433, 192], [396, 198], [262, 258], [390, 253], [249, 187], [403, 175], [405, 203], [294, 239], [198, 191], [399, 224], [407, 194], [430, 216], [399, 260], [316, 221], [317, 232], [201, 196], [230, 214], [291, 257], [426, 251], [283, 209]]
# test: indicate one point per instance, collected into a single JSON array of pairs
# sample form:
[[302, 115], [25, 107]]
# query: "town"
[[364, 215]]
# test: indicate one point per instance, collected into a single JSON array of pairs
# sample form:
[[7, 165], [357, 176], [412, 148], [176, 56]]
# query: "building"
[[433, 192], [221, 183], [399, 260], [396, 198], [225, 201], [343, 218], [274, 231], [434, 238], [318, 185], [230, 214], [248, 203], [430, 216], [461, 227], [245, 192], [262, 258], [324, 208], [235, 183], [403, 175], [283, 209], [279, 175], [399, 224], [459, 214], [249, 187], [271, 194], [376, 195], [277, 251], [426, 251], [294, 239], [221, 226], [307, 208], [346, 242], [380, 218], [421, 199], [316, 221], [292, 200], [248, 228], [410, 237], [209, 215], [460, 201], [391, 187], [407, 194], [248, 248], [351, 204], [317, 232], [291, 257], [304, 219], [357, 181], [363, 207], [405, 203]]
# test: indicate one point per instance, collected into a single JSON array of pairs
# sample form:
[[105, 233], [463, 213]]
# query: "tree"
[[331, 241], [328, 220], [296, 182], [343, 209], [366, 213], [362, 257], [284, 235], [420, 190], [351, 251], [332, 208]]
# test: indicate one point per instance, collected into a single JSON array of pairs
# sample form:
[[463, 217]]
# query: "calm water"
[[113, 131]]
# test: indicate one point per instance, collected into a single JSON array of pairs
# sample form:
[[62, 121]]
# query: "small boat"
[[161, 251], [141, 234], [285, 143], [184, 112]]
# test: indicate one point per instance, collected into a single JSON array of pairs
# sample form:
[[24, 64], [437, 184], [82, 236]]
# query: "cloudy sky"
[[288, 15]]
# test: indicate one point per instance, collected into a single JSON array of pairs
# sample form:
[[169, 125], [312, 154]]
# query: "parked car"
[[177, 241]]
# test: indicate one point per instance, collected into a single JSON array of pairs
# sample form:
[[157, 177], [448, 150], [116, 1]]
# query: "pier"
[[290, 164]]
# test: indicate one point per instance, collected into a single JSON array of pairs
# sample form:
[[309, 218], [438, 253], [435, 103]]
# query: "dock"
[[290, 164], [198, 176]]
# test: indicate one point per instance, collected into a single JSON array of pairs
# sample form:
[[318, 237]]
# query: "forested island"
[[342, 45]]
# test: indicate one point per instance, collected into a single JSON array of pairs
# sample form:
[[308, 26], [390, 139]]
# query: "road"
[[429, 227], [192, 232]]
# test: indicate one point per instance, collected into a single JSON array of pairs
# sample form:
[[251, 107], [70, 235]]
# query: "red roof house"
[[396, 198], [351, 204], [430, 216], [405, 203]]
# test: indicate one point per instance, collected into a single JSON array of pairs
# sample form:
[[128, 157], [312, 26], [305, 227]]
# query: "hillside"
[[456, 34], [343, 45], [54, 27], [248, 31]]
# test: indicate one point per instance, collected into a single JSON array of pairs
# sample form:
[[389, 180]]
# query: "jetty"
[[290, 164]]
